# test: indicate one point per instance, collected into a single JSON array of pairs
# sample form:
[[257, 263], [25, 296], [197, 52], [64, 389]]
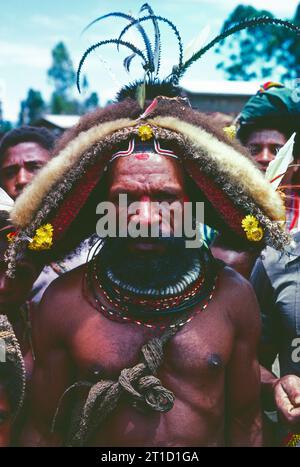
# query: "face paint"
[[143, 156]]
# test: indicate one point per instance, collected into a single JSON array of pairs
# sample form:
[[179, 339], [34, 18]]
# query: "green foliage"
[[91, 102], [260, 52], [32, 108], [62, 102], [5, 126], [61, 72], [62, 76]]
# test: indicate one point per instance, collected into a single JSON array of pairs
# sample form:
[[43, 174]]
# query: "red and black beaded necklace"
[[121, 305]]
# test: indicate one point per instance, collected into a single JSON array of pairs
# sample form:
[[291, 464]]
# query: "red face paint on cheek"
[[143, 156]]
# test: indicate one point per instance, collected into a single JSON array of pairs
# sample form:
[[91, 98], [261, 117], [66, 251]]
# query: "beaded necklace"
[[152, 312]]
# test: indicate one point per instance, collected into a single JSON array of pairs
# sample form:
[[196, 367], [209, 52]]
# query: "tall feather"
[[99, 44], [249, 23], [131, 19], [278, 166], [127, 61], [157, 41], [172, 26], [117, 14]]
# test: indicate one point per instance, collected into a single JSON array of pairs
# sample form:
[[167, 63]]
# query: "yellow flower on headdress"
[[249, 222], [251, 226], [230, 131], [43, 239], [145, 132], [255, 235], [293, 441]]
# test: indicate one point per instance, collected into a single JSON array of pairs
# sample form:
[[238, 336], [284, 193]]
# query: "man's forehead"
[[266, 135], [144, 162], [25, 151]]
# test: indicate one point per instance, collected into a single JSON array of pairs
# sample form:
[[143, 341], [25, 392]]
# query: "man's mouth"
[[147, 245]]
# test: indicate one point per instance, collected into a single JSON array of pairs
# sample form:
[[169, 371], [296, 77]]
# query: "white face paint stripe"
[[163, 152], [130, 150], [124, 153]]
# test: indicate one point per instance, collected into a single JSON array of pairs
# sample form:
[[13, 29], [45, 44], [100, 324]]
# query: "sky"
[[30, 29]]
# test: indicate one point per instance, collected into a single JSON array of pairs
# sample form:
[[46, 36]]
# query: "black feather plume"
[[130, 46], [131, 19], [159, 88], [164, 20], [151, 58], [157, 42], [127, 61], [249, 23]]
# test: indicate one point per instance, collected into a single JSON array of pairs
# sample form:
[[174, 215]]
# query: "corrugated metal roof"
[[62, 121], [233, 88]]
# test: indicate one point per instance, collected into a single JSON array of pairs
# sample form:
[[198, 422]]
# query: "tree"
[[259, 52], [5, 126], [61, 73], [32, 108], [91, 102]]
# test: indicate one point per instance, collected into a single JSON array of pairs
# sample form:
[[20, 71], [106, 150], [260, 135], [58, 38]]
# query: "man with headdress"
[[151, 343]]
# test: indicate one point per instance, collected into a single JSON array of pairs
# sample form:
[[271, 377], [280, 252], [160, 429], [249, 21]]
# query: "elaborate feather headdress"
[[227, 180]]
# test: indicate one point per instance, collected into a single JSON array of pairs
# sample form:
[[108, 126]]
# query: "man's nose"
[[146, 214], [265, 156], [23, 178]]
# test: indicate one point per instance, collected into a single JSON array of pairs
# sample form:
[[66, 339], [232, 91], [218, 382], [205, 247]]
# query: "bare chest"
[[101, 348]]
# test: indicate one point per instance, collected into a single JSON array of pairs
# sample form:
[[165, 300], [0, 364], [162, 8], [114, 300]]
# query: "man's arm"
[[51, 373], [280, 393], [244, 420], [270, 338]]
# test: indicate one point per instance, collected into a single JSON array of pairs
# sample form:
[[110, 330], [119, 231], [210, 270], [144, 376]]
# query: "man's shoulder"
[[60, 298], [239, 298], [65, 283], [229, 277]]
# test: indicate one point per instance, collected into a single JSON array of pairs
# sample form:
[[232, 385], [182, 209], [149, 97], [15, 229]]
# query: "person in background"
[[265, 124], [276, 281], [23, 152]]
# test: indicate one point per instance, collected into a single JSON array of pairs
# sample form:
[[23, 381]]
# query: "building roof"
[[221, 88], [61, 121]]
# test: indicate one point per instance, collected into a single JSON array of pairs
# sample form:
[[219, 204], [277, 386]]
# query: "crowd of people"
[[138, 340]]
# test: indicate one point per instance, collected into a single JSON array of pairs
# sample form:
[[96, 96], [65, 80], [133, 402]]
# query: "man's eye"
[[276, 149], [254, 150], [34, 167], [9, 173]]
